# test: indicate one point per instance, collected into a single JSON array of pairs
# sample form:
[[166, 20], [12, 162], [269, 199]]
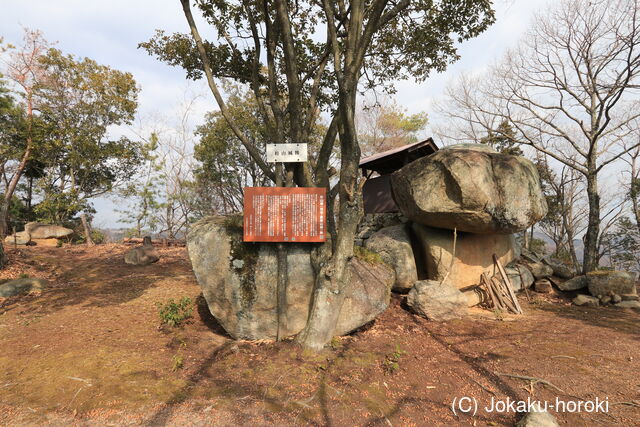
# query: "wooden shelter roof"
[[391, 160]]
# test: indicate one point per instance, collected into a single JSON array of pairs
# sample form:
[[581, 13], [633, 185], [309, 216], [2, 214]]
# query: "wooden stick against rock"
[[507, 283]]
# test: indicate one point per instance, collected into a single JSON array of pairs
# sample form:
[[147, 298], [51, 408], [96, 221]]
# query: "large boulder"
[[44, 231], [21, 286], [393, 244], [617, 282], [470, 190], [473, 254], [560, 269], [238, 281], [437, 301]]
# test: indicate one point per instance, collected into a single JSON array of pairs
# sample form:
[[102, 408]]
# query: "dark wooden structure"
[[376, 192]]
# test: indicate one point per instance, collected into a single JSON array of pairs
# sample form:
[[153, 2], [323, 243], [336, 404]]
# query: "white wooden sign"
[[286, 153]]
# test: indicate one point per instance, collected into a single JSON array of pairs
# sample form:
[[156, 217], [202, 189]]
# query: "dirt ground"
[[89, 350]]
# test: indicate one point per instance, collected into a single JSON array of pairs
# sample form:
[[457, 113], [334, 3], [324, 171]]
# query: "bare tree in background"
[[568, 91]]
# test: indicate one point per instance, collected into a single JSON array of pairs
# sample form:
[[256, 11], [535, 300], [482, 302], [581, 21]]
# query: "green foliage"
[[178, 362], [503, 139], [175, 313], [225, 166], [391, 362], [366, 255], [78, 104], [142, 195], [23, 276]]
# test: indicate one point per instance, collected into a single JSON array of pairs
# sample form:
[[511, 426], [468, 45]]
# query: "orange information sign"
[[282, 214]]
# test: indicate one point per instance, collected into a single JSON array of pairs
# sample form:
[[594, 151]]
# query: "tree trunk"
[[87, 230], [333, 277], [590, 259], [3, 257]]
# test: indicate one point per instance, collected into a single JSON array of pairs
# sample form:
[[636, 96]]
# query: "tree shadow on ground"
[[625, 320], [97, 281]]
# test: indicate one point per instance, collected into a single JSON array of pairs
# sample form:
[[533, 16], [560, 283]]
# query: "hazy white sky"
[[110, 31]]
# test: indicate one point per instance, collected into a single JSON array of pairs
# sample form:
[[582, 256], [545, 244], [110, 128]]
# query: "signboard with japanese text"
[[283, 214], [286, 153]]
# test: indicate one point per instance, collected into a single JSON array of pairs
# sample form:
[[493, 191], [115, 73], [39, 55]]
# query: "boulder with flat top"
[[471, 190]]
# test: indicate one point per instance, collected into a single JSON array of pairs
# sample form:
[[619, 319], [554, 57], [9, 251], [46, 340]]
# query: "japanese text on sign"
[[281, 214]]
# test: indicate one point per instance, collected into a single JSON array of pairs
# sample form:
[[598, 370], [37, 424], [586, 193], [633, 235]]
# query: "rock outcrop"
[[473, 254], [393, 244], [470, 190], [618, 282], [38, 230], [436, 301], [238, 281], [142, 255]]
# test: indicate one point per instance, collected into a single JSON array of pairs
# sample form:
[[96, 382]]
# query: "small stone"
[[629, 304], [537, 418], [586, 300], [605, 300], [615, 299], [237, 263], [543, 286]]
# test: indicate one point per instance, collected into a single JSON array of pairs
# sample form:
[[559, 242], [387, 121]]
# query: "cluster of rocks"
[[39, 234], [614, 288], [458, 207], [463, 205]]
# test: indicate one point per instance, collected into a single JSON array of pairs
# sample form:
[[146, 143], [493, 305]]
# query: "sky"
[[109, 33]]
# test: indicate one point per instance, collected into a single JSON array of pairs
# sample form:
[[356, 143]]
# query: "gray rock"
[[519, 276], [574, 284], [586, 300], [606, 299], [560, 269], [237, 263], [537, 418], [393, 244], [142, 255], [21, 286], [629, 304], [436, 301], [470, 190], [618, 282], [543, 286], [529, 256], [539, 270], [244, 300], [44, 231], [615, 299]]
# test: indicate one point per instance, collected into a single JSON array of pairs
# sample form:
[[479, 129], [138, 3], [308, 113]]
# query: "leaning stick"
[[507, 283]]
